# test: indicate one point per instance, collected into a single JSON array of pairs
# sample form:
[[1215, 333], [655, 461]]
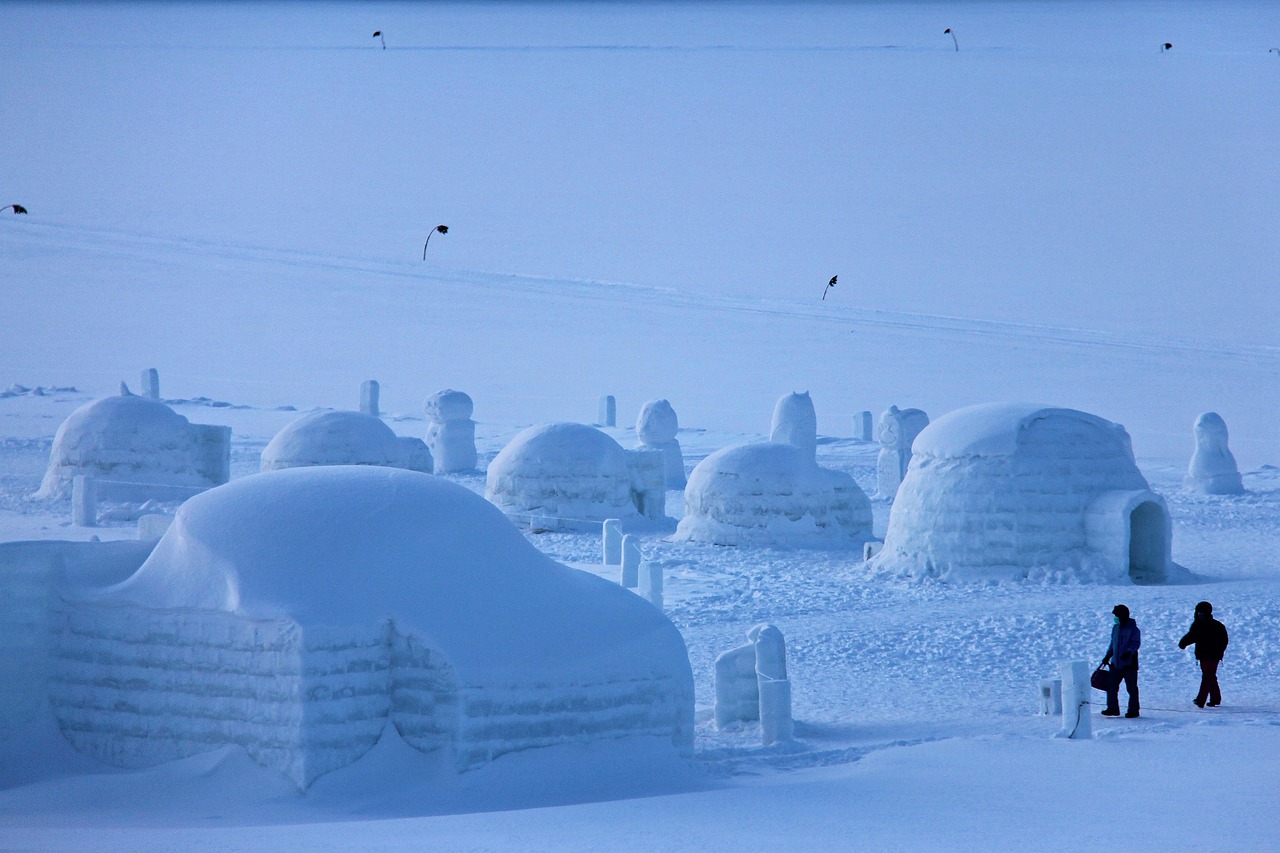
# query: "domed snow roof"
[[774, 463], [563, 446], [999, 429], [343, 438], [348, 545], [126, 438]]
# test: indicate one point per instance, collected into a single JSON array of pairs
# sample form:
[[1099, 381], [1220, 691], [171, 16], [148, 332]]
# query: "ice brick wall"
[[1001, 515], [136, 687], [26, 576], [424, 694]]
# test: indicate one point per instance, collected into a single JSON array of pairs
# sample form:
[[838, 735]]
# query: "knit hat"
[[1205, 607], [1121, 611]]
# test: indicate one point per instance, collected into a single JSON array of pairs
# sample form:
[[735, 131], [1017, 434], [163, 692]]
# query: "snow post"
[[630, 561], [84, 501], [650, 586], [737, 687], [369, 390], [865, 426], [776, 725], [151, 383], [1051, 696], [1077, 722], [608, 415], [612, 542]]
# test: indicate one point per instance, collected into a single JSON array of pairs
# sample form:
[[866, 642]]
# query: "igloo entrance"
[[1148, 554]]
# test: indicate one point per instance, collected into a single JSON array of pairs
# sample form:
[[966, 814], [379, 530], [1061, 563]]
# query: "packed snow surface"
[[343, 438]]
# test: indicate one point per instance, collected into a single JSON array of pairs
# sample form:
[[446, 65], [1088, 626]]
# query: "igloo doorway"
[[1148, 546]]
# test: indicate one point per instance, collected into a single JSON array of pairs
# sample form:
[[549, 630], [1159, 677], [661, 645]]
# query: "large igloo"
[[297, 613], [569, 475], [343, 438], [1011, 491], [773, 494], [135, 440]]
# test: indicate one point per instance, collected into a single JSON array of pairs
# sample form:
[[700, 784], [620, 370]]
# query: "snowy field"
[[646, 201]]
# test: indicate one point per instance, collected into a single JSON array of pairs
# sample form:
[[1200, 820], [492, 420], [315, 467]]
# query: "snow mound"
[[131, 439], [576, 473], [343, 438], [297, 612], [1014, 491], [773, 494]]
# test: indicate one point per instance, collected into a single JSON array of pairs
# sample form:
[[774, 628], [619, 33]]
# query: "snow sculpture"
[[752, 684], [631, 559], [451, 434], [796, 423], [864, 426], [151, 384], [135, 440], [343, 438], [1213, 468], [1013, 491], [369, 391], [611, 544], [608, 414], [656, 427], [649, 586], [898, 429], [576, 474], [435, 616], [773, 494]]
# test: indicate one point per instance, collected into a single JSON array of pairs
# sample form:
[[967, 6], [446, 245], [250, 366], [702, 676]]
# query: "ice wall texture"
[[1009, 491], [1213, 468], [132, 439], [343, 438], [435, 615], [773, 494]]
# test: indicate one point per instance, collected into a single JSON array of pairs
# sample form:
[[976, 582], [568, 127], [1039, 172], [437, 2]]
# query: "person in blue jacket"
[[1122, 654]]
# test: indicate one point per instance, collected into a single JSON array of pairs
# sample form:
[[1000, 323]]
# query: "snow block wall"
[[1013, 491], [136, 440], [344, 438], [576, 474], [773, 494], [436, 616]]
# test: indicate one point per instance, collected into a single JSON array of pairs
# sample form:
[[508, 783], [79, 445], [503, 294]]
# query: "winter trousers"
[[1209, 683], [1129, 675]]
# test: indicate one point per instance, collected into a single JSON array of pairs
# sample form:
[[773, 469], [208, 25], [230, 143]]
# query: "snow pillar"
[[451, 434], [84, 501], [871, 548], [611, 534], [153, 525], [1051, 696], [650, 585], [1077, 723], [795, 423], [897, 432], [737, 689], [631, 558], [776, 724], [656, 427], [369, 390], [608, 415], [1213, 468], [864, 427], [151, 384]]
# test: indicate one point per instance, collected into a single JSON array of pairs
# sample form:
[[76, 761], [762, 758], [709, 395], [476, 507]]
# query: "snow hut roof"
[[562, 448], [997, 429], [357, 545], [123, 419], [340, 438], [771, 462]]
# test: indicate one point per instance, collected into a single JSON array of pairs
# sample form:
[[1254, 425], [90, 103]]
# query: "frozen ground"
[[646, 201]]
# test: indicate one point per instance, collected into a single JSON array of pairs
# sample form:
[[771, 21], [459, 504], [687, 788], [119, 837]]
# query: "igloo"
[[774, 494], [1213, 468], [135, 440], [1011, 491], [343, 438], [656, 427], [298, 613], [451, 434], [574, 476]]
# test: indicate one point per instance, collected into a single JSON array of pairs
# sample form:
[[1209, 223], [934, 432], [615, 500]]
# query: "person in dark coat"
[[1209, 636], [1122, 654]]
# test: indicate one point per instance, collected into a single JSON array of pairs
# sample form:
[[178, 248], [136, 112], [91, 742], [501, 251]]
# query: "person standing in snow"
[[1122, 654], [1209, 636]]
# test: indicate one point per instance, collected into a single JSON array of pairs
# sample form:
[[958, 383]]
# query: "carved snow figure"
[[1010, 491], [656, 427], [773, 494], [1213, 468], [343, 438], [301, 614], [451, 434], [135, 440], [575, 474], [796, 423], [751, 684], [898, 429]]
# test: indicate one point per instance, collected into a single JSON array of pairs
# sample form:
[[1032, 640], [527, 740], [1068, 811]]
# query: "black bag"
[[1102, 679]]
